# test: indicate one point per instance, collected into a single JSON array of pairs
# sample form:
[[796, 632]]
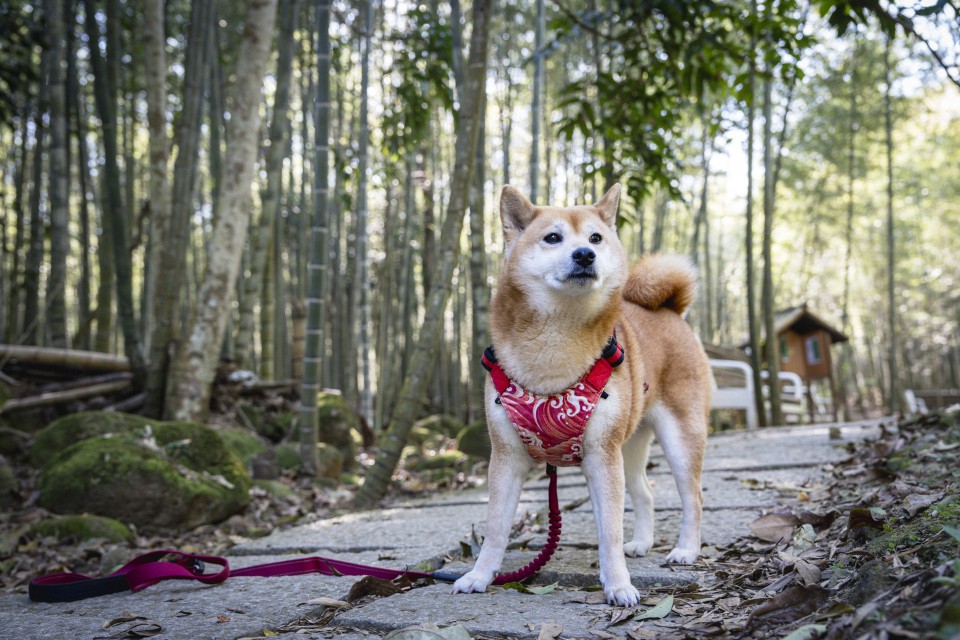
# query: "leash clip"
[[192, 564]]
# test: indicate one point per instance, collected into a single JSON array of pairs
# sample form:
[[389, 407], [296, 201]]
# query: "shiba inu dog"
[[564, 290]]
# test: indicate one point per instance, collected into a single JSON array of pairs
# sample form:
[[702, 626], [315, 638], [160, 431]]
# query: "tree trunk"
[[195, 364], [13, 317], [74, 107], [418, 380], [155, 81], [58, 178], [752, 323], [536, 111], [262, 235], [894, 404], [506, 126], [175, 233], [113, 210], [768, 302], [319, 251], [31, 322], [479, 291], [360, 271]]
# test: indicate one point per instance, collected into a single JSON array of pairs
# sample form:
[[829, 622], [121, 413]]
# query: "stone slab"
[[496, 613]]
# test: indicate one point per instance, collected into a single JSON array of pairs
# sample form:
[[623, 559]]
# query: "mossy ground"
[[84, 527]]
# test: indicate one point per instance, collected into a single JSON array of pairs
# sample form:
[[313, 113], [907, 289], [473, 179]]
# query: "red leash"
[[156, 566], [553, 538]]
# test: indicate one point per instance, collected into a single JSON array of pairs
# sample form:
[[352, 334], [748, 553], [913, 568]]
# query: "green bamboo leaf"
[[535, 591], [661, 610], [953, 532]]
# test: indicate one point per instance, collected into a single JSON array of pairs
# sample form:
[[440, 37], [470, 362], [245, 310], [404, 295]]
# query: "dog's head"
[[556, 253]]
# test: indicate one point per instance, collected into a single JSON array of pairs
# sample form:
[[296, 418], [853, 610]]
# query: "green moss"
[[446, 460], [288, 456], [446, 425], [241, 443], [181, 477], [275, 488], [330, 461], [84, 527], [474, 440], [903, 534], [335, 419], [272, 426], [60, 434]]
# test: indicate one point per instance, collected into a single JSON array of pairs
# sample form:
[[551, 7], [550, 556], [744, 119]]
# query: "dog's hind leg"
[[506, 474], [635, 453], [683, 439]]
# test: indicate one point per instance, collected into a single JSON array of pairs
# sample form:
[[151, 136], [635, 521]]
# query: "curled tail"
[[662, 281]]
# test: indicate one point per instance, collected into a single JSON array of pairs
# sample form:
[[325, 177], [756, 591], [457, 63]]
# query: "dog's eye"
[[553, 238], [596, 239]]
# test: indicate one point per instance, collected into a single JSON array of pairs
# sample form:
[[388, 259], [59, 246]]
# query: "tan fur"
[[660, 280], [548, 328]]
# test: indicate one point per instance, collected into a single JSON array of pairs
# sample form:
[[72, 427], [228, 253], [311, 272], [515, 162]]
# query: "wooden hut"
[[805, 342]]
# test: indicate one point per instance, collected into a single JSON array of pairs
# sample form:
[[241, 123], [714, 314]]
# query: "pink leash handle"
[[139, 573], [553, 538]]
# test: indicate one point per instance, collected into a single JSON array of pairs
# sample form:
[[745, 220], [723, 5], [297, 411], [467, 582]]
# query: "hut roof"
[[802, 320]]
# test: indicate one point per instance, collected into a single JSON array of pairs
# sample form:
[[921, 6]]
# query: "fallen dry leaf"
[[327, 602], [774, 527], [789, 605]]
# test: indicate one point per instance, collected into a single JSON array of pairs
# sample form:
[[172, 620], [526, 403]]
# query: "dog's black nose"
[[584, 256]]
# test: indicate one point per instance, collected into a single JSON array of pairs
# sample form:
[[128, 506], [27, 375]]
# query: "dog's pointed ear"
[[516, 212], [607, 205]]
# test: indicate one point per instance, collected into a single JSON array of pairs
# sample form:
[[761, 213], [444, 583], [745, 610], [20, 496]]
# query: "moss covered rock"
[[173, 475], [269, 424], [445, 460], [288, 456], [446, 425], [71, 429], [336, 423], [330, 461], [474, 440], [84, 527]]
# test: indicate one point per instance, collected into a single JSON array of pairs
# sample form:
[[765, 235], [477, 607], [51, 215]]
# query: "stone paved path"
[[742, 469]]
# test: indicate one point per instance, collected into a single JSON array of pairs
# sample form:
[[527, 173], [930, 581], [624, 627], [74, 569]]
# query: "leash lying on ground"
[[157, 566]]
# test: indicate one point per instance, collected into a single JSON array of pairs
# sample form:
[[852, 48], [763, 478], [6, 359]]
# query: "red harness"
[[552, 427]]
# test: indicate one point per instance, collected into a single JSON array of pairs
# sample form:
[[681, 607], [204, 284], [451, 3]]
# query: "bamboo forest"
[[292, 277], [299, 198]]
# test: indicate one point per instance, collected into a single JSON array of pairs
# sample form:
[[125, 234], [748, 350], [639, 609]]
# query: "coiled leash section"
[[553, 538]]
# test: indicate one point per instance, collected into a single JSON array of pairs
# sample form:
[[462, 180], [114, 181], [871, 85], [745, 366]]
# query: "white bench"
[[793, 402], [924, 401], [734, 389]]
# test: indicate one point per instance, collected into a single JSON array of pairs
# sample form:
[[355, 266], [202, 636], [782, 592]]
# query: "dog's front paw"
[[683, 556], [637, 548], [622, 595], [473, 582]]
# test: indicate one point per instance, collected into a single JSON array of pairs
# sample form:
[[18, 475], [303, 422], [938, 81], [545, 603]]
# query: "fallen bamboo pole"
[[59, 397], [69, 358]]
